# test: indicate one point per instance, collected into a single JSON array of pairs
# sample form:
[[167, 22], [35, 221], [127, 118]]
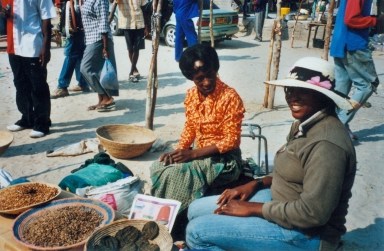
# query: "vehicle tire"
[[115, 27], [170, 36]]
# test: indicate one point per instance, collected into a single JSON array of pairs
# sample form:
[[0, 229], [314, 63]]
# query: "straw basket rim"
[[6, 139], [125, 150], [163, 240]]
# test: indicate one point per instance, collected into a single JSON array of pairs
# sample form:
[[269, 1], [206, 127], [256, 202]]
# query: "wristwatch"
[[259, 183]]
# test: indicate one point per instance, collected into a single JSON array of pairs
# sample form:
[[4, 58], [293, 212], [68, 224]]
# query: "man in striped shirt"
[[135, 26]]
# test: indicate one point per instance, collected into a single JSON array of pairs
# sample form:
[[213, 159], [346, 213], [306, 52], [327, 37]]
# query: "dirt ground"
[[243, 66]]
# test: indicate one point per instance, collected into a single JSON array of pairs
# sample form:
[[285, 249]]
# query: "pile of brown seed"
[[62, 227], [25, 195]]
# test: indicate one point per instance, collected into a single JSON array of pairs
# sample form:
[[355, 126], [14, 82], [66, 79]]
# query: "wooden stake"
[[152, 83], [200, 21], [268, 77], [328, 30], [276, 62], [211, 24]]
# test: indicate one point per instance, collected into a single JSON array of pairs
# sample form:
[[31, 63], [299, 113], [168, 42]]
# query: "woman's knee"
[[202, 206]]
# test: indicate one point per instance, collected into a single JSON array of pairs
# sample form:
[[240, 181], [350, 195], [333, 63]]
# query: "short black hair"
[[204, 53]]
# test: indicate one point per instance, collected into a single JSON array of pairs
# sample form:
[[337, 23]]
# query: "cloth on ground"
[[84, 146]]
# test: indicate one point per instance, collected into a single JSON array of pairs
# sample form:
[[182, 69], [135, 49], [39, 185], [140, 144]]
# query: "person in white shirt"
[[28, 46]]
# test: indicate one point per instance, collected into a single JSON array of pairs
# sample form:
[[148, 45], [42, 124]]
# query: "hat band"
[[312, 77]]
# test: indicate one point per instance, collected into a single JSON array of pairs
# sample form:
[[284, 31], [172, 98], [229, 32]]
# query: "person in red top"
[[214, 113]]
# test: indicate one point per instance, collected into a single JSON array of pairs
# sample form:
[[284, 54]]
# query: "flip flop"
[[133, 79], [106, 107]]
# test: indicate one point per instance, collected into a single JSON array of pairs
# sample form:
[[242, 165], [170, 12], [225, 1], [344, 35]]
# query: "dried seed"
[[62, 227], [26, 195]]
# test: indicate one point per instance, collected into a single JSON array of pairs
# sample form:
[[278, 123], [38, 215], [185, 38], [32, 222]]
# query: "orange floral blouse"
[[214, 121]]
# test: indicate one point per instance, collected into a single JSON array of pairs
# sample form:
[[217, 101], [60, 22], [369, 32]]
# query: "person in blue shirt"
[[259, 6], [185, 10], [354, 65]]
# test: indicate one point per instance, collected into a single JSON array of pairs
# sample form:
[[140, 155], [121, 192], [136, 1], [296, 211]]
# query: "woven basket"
[[25, 208], [24, 219], [6, 139], [125, 141], [163, 240]]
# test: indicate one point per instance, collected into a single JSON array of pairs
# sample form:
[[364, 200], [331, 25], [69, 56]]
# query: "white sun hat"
[[316, 74]]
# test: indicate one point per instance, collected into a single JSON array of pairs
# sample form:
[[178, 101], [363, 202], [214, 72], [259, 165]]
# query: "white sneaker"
[[36, 134], [15, 128]]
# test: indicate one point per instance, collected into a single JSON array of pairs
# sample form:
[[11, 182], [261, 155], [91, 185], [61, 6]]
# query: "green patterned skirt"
[[186, 182]]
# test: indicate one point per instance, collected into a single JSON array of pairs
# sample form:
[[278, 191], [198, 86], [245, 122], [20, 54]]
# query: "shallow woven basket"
[[25, 208], [23, 220], [125, 141], [163, 240], [6, 139]]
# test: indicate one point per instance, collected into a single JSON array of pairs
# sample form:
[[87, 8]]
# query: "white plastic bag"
[[5, 178], [119, 195]]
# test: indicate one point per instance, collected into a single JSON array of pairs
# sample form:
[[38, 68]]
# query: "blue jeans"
[[184, 29], [358, 69], [222, 232], [73, 51]]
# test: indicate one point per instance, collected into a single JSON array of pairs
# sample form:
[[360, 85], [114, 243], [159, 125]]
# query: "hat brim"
[[341, 102]]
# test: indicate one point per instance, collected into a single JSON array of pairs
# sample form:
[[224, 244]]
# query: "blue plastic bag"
[[108, 77]]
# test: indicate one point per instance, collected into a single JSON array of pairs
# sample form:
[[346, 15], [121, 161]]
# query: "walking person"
[[259, 6], [99, 45], [73, 52], [354, 65], [185, 10], [133, 22], [28, 47]]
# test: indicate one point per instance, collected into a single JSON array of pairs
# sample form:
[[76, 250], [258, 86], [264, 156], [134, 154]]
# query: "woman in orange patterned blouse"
[[214, 113]]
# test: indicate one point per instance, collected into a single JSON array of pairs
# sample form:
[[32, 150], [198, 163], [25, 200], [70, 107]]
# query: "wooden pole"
[[268, 77], [276, 62], [328, 30], [211, 24], [152, 83], [200, 21], [294, 27]]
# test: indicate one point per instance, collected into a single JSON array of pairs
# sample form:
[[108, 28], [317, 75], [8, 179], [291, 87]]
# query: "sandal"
[[106, 107], [133, 79]]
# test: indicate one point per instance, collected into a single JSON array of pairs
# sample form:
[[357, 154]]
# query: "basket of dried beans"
[[61, 224], [21, 197]]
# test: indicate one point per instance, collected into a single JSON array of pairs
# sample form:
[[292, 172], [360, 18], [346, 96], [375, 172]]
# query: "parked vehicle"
[[115, 23], [224, 24]]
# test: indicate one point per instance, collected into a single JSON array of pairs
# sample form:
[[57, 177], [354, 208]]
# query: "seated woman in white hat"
[[303, 204]]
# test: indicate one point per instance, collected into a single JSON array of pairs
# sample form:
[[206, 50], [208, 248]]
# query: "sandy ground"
[[243, 66]]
